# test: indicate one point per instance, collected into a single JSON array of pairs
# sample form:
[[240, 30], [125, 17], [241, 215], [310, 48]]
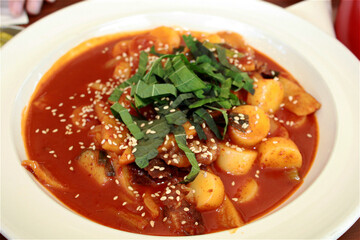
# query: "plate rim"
[[42, 21]]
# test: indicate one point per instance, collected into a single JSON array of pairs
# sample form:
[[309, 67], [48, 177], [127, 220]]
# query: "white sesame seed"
[[152, 223], [116, 197], [77, 195]]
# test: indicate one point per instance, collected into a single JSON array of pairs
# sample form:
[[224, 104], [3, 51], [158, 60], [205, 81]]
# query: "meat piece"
[[140, 176], [160, 170], [180, 216]]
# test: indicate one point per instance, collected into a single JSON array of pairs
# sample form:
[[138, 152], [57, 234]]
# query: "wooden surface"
[[352, 234]]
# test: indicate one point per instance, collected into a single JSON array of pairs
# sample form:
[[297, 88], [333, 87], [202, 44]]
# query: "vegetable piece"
[[131, 219], [95, 134], [151, 206], [123, 175], [43, 175], [146, 148], [120, 48], [211, 38], [202, 113], [234, 40], [89, 161], [251, 133], [111, 140], [181, 98], [293, 174], [120, 112], [176, 118], [225, 116], [278, 152], [180, 137], [228, 216], [143, 60], [122, 70], [297, 100], [248, 191], [183, 78], [78, 118], [127, 157], [197, 48], [106, 162], [103, 114], [189, 129], [166, 39], [268, 95], [144, 90], [235, 162], [208, 190]]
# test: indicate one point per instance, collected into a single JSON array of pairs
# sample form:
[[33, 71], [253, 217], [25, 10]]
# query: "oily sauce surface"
[[48, 142]]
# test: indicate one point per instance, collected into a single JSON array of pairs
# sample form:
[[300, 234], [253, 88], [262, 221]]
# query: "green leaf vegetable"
[[181, 89]]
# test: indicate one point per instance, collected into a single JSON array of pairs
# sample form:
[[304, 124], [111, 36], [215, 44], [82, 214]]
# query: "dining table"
[[50, 7]]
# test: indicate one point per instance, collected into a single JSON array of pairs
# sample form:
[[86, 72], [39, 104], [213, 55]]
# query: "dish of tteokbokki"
[[170, 132]]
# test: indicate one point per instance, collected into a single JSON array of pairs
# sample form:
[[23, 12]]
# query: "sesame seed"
[[124, 203], [71, 168], [152, 223], [116, 197], [77, 195], [183, 222], [309, 135]]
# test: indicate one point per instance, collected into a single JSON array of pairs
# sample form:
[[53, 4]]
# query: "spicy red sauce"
[[47, 143]]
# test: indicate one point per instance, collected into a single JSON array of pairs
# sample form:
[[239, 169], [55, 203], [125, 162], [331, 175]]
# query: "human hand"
[[33, 7]]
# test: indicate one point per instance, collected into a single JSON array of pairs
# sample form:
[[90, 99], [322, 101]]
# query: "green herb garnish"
[[181, 89]]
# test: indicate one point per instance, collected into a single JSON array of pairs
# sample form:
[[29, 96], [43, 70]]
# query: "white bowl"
[[323, 207]]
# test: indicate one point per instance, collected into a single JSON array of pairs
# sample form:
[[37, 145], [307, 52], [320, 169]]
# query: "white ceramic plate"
[[327, 203]]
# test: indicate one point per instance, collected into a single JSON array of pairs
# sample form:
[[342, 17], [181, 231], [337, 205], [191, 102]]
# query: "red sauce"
[[96, 202]]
